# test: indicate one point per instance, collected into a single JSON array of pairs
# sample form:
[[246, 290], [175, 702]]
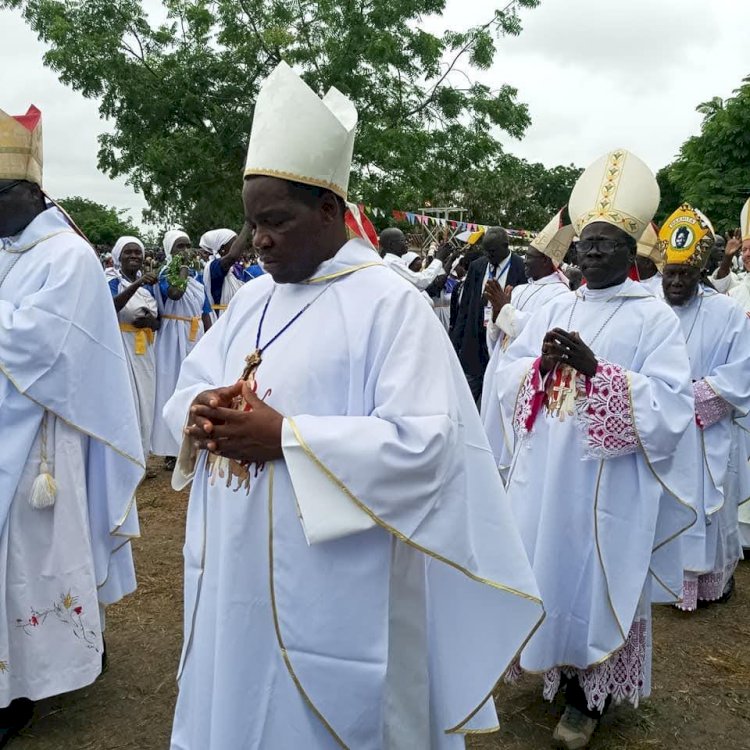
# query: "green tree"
[[712, 171], [180, 93], [101, 224]]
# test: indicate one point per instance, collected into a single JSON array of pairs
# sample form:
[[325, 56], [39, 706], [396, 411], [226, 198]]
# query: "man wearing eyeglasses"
[[72, 454], [595, 393]]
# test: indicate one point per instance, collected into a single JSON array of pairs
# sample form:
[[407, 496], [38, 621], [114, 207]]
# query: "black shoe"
[[728, 591], [170, 462], [14, 718]]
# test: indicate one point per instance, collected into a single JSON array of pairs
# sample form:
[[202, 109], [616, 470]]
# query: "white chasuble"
[[601, 475], [181, 328], [526, 299], [368, 590], [65, 401], [718, 340]]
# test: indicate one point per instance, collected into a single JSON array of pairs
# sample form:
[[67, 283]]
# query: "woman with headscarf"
[[185, 314], [137, 312], [224, 273]]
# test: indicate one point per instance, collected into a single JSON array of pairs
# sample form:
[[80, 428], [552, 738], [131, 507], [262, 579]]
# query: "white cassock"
[[718, 341], [655, 285], [140, 351], [525, 300], [601, 497], [63, 377], [181, 328], [442, 305], [368, 590]]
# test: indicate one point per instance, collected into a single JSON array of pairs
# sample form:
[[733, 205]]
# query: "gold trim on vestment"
[[88, 434], [677, 597], [277, 627], [345, 272], [430, 553], [194, 320], [292, 177], [219, 307], [599, 550], [25, 248], [144, 337], [656, 476]]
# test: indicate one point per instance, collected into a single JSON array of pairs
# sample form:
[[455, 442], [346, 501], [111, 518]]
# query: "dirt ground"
[[701, 685]]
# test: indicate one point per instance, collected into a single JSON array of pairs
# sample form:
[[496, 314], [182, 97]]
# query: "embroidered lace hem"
[[622, 676], [705, 588]]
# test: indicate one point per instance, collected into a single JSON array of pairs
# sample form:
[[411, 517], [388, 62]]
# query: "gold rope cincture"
[[44, 488]]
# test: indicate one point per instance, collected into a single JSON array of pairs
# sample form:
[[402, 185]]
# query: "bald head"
[[495, 245], [393, 241]]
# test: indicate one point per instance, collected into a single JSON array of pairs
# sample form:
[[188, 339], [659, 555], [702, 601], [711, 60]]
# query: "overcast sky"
[[596, 74]]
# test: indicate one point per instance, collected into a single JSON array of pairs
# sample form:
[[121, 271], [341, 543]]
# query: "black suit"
[[469, 334]]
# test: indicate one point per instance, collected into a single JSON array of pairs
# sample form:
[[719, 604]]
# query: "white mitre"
[[554, 240], [745, 221], [649, 246], [298, 136], [618, 189]]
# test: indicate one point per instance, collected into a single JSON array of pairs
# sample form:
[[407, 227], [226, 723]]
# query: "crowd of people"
[[412, 471]]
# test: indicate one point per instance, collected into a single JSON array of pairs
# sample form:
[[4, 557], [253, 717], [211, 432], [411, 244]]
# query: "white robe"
[[601, 497], [173, 344], [718, 341], [383, 631], [61, 362], [141, 366], [525, 300], [420, 279]]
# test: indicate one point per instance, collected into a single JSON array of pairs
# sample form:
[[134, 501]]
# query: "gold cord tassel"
[[44, 489]]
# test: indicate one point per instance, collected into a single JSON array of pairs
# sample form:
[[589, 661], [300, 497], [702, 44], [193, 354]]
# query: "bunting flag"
[[427, 220]]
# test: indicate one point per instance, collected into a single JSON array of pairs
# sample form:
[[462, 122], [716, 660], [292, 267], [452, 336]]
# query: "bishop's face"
[[287, 231], [605, 255], [680, 283]]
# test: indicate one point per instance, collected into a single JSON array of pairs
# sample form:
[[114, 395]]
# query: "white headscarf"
[[120, 244], [215, 239], [409, 258], [170, 238]]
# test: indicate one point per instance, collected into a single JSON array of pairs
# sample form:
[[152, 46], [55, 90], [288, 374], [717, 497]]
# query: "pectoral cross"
[[252, 363]]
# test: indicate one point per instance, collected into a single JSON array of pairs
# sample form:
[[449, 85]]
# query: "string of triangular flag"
[[428, 220]]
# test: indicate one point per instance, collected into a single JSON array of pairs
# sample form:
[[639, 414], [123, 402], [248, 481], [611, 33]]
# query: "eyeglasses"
[[604, 246]]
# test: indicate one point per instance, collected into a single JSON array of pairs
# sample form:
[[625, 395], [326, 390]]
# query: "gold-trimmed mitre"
[[554, 240], [21, 146], [300, 137], [649, 246], [619, 189], [745, 221], [686, 238]]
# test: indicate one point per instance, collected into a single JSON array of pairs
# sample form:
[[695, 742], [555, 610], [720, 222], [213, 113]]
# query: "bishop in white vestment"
[[718, 339], [72, 455], [596, 391], [362, 585]]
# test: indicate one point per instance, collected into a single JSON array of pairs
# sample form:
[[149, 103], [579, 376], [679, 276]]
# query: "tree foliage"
[[180, 92], [712, 171], [103, 225]]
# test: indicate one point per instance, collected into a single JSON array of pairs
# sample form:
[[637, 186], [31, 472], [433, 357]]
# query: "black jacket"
[[469, 335]]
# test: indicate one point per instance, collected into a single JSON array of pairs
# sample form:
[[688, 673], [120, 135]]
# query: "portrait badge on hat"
[[686, 237]]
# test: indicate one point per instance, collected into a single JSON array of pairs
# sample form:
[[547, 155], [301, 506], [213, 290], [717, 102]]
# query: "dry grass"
[[701, 696]]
